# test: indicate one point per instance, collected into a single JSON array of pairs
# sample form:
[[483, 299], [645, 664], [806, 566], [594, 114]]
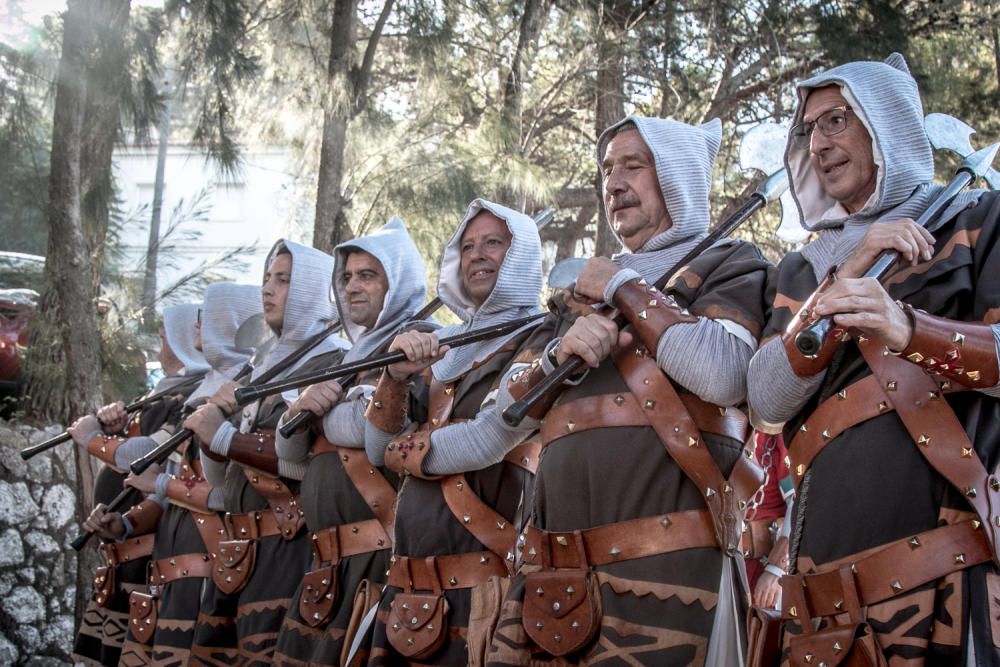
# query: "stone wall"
[[37, 564]]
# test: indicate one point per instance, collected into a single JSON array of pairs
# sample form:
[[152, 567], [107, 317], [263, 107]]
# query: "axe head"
[[763, 149], [948, 133], [564, 273]]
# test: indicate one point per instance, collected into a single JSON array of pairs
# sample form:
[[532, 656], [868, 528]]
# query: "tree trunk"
[[610, 102], [153, 246], [331, 218]]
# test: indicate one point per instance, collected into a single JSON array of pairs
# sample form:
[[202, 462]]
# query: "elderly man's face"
[[632, 196], [484, 245], [843, 162]]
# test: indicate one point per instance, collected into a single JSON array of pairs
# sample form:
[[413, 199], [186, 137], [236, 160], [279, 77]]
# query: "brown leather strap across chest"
[[212, 530], [350, 539], [624, 409], [667, 415], [617, 542], [166, 570], [253, 525], [378, 494], [443, 573], [525, 455], [899, 385], [284, 504]]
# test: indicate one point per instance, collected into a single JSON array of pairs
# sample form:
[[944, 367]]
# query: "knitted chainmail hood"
[[684, 156], [178, 328], [392, 246], [308, 307], [515, 294], [227, 306]]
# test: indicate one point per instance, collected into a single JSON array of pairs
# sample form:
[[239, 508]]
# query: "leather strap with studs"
[[387, 409], [379, 495], [884, 573], [189, 492], [350, 539], [617, 542], [649, 311], [144, 516], [965, 352], [802, 365], [285, 506], [252, 525], [522, 381], [255, 450], [133, 548], [436, 573], [166, 570], [483, 522], [102, 446], [405, 454]]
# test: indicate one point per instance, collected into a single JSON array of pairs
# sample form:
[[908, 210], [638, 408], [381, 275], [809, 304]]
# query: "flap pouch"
[[233, 565], [851, 645], [142, 616], [319, 594], [417, 624], [104, 586], [562, 609]]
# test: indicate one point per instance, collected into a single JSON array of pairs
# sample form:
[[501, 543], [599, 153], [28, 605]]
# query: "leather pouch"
[[104, 586], [851, 645], [417, 624], [763, 637], [319, 594], [233, 565], [562, 609], [142, 614]]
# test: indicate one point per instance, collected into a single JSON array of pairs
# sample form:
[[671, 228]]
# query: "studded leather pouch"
[[234, 564], [319, 593], [142, 614], [562, 609], [418, 624], [104, 586], [849, 645]]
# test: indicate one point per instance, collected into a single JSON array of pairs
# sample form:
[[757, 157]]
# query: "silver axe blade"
[[763, 149], [565, 272], [949, 133]]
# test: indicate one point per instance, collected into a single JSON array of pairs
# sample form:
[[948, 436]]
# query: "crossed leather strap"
[[902, 565]]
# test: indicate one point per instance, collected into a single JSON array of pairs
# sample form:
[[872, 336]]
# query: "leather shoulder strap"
[[938, 434], [373, 487], [677, 431], [481, 520]]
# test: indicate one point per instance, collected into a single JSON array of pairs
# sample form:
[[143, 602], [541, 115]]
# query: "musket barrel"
[[34, 450]]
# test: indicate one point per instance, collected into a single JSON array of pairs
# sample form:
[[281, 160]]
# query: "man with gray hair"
[[893, 426], [642, 485]]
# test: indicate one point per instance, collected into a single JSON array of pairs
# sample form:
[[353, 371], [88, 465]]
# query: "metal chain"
[[766, 461]]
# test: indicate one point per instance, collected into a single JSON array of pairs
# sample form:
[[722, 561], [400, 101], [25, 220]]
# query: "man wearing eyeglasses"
[[893, 426]]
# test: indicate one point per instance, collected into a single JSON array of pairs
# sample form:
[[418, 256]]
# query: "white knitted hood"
[[392, 246], [515, 295], [227, 306], [885, 98], [178, 327], [308, 308]]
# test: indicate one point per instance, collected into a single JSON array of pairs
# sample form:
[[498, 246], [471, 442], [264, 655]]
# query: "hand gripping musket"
[[163, 451], [131, 408], [767, 192], [246, 395], [542, 218], [811, 340]]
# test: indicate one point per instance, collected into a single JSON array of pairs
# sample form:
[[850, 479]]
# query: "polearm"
[[542, 218], [161, 452], [246, 395], [134, 406], [768, 191], [811, 339]]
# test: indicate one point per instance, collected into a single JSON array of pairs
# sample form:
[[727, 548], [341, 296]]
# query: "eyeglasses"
[[831, 122]]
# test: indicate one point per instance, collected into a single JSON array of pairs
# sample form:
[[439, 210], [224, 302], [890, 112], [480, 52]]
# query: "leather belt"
[[437, 573], [526, 455], [252, 525], [350, 539], [758, 537], [131, 549], [617, 410], [889, 571], [165, 570], [616, 542]]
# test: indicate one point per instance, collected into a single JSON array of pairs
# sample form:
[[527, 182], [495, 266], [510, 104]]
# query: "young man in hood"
[[261, 563], [433, 419], [348, 503], [106, 437], [642, 485], [893, 427]]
